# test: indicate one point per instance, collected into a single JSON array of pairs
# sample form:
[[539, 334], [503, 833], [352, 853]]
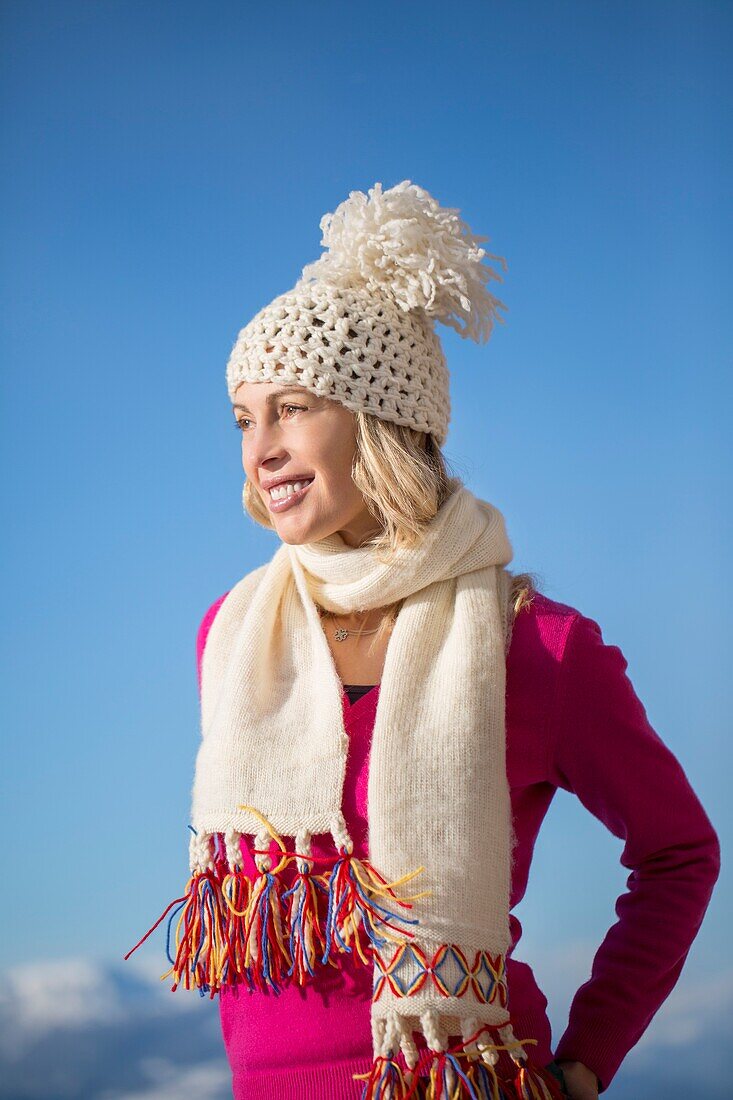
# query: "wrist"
[[574, 1062]]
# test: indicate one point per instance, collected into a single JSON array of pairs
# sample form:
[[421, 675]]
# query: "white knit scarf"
[[273, 740]]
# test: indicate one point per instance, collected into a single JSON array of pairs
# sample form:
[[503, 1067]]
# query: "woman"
[[387, 712]]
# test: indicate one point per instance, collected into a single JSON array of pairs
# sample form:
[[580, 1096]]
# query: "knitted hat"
[[358, 325]]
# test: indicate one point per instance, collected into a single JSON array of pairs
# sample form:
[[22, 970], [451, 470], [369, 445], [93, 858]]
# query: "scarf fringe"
[[233, 929], [466, 1071]]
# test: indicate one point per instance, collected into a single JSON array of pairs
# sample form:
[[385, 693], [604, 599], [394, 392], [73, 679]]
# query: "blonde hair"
[[403, 475]]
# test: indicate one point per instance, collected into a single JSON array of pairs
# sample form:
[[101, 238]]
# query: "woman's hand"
[[582, 1082]]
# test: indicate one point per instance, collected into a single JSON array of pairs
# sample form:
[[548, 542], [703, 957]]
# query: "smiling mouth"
[[279, 492], [287, 500]]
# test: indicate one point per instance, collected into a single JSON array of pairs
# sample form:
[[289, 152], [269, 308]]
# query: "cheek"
[[338, 455], [339, 495], [335, 468], [248, 465]]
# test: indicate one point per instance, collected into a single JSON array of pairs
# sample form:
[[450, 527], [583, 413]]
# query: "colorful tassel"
[[536, 1083], [386, 1081], [446, 1076], [203, 954], [266, 955], [236, 889], [233, 929], [304, 920], [265, 950], [485, 1082], [352, 885]]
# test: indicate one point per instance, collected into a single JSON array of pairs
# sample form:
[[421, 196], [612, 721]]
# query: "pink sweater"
[[573, 721]]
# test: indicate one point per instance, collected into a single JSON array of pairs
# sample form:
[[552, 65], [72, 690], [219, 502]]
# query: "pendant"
[[340, 634]]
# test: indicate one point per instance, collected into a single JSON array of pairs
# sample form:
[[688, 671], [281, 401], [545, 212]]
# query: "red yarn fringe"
[[456, 1074], [233, 930]]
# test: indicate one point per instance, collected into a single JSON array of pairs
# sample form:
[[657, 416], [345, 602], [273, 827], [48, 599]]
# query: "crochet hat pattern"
[[358, 326]]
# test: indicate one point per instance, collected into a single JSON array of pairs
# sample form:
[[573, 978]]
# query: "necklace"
[[340, 634]]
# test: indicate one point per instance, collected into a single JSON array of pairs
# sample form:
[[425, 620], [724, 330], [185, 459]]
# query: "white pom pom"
[[403, 242]]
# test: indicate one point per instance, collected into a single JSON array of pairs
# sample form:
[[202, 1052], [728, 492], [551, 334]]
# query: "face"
[[287, 431]]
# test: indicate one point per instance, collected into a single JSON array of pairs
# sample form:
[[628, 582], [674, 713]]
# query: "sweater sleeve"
[[203, 631], [603, 749]]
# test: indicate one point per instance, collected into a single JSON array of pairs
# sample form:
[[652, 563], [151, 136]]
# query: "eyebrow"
[[272, 397]]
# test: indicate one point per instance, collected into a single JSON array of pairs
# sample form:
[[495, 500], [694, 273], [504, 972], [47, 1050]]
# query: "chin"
[[295, 537], [312, 534], [293, 540]]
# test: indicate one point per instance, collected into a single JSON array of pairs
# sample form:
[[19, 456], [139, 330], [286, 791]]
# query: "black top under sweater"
[[355, 691]]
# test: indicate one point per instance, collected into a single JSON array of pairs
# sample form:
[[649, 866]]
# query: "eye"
[[241, 422]]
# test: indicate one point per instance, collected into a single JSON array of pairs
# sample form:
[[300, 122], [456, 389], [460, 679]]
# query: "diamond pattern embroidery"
[[489, 978], [449, 970]]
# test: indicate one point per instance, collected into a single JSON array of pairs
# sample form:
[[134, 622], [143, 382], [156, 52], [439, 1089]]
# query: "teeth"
[[282, 491]]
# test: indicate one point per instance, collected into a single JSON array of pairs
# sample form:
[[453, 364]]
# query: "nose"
[[265, 452]]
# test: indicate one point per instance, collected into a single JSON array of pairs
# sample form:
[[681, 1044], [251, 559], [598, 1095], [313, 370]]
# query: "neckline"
[[361, 698]]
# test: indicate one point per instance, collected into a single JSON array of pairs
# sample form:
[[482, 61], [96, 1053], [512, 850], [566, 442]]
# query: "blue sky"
[[167, 165]]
